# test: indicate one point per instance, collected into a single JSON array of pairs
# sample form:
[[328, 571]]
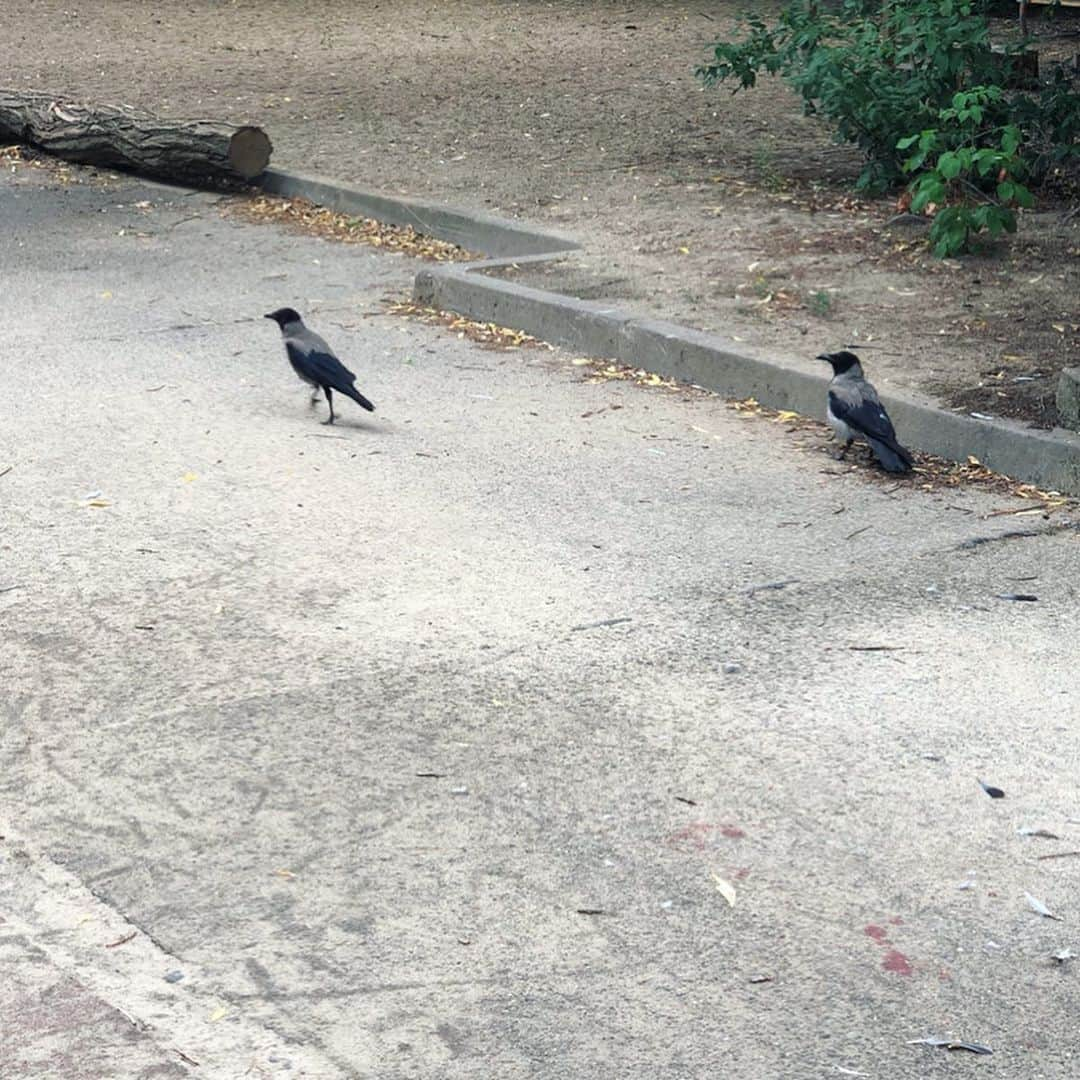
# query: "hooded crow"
[[855, 412], [314, 361]]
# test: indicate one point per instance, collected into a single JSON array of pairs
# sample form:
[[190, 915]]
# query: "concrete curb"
[[1048, 459], [472, 231]]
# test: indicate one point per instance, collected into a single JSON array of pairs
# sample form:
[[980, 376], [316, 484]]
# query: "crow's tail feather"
[[359, 399], [892, 456]]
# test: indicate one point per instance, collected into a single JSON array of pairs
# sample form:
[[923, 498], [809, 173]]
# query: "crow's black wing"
[[864, 415], [322, 368]]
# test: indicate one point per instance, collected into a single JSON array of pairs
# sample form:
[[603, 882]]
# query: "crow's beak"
[[271, 317], [827, 357]]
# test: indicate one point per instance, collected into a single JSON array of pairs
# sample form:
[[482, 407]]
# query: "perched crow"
[[856, 412], [314, 361]]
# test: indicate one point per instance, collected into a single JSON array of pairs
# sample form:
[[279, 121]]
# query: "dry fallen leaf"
[[487, 334], [725, 889], [952, 1044], [218, 1014], [1040, 908], [304, 216]]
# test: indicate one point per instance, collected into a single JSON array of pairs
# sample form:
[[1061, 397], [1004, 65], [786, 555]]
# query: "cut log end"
[[249, 152]]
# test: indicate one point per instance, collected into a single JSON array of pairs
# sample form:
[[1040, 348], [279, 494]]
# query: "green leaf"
[[1023, 197], [928, 189], [913, 162], [949, 165], [1006, 190]]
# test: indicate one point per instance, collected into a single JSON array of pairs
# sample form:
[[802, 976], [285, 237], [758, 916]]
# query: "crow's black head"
[[284, 315], [841, 361]]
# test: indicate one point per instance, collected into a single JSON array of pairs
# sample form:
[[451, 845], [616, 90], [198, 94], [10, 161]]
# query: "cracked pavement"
[[418, 745]]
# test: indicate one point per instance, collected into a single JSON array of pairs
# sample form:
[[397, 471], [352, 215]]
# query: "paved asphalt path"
[[428, 745]]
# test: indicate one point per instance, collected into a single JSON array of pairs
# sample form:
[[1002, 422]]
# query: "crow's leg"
[[330, 402], [842, 452], [314, 399]]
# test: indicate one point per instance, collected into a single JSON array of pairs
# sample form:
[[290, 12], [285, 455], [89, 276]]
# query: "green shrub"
[[875, 70], [967, 172], [916, 85], [878, 70]]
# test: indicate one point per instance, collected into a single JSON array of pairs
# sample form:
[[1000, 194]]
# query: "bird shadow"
[[341, 429]]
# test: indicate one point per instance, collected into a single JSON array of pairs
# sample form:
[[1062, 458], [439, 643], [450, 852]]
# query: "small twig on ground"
[[1058, 855], [851, 536], [1015, 534], [5, 471], [602, 622], [907, 219], [770, 586], [190, 217], [121, 941], [884, 352]]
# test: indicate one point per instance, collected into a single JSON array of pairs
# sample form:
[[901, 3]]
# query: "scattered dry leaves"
[[301, 215], [930, 473], [487, 334], [66, 172], [609, 370]]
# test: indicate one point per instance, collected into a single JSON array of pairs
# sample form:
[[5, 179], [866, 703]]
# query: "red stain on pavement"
[[896, 921], [742, 873], [896, 962], [691, 837], [700, 835], [877, 933]]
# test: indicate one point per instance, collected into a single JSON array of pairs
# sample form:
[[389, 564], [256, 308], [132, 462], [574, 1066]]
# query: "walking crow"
[[855, 412], [314, 361]]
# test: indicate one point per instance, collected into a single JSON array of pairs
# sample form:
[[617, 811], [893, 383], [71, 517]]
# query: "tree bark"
[[120, 137]]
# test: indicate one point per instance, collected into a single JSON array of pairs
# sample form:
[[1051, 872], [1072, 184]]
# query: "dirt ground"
[[730, 213]]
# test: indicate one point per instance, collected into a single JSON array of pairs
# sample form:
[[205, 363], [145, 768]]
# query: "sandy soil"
[[731, 213]]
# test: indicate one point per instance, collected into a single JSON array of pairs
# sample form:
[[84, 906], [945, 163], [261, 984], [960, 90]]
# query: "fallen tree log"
[[120, 137]]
